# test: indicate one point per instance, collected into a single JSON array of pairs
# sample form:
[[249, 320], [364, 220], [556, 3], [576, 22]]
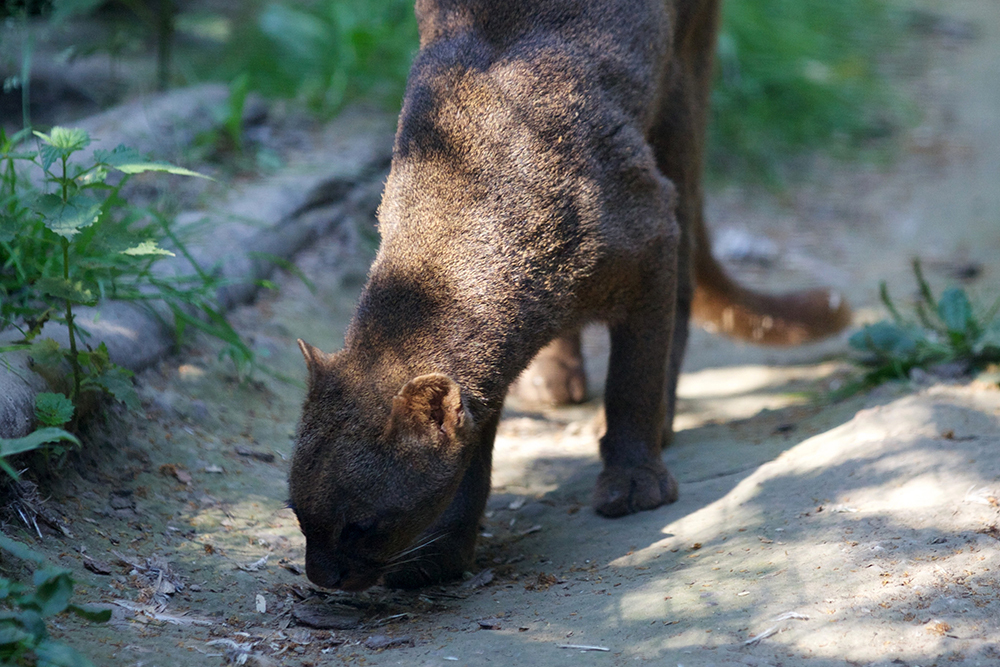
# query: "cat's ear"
[[430, 407], [315, 358]]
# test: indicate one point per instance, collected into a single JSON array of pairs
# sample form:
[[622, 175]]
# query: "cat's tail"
[[721, 305]]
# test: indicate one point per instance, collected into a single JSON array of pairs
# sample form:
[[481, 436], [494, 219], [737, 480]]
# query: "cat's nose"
[[321, 571]]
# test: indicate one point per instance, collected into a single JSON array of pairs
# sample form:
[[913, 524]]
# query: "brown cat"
[[546, 172]]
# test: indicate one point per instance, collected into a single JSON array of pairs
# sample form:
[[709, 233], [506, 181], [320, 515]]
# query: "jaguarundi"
[[546, 172]]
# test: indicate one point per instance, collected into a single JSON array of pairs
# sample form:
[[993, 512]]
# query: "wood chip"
[[790, 615], [149, 611], [96, 566], [584, 647], [254, 566], [292, 567], [175, 471], [481, 579], [543, 582], [938, 628], [324, 617], [376, 642], [266, 457]]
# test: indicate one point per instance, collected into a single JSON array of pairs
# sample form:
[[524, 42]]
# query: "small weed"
[[40, 439], [944, 330], [224, 141], [24, 637], [74, 242]]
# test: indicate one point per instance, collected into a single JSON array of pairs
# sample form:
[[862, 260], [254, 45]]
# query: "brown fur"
[[546, 172]]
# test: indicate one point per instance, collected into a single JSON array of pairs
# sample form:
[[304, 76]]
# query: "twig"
[[791, 615], [389, 619], [150, 612], [763, 635], [584, 647]]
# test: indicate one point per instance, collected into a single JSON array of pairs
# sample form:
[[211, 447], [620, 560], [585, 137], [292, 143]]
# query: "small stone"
[[96, 566], [121, 499], [198, 411]]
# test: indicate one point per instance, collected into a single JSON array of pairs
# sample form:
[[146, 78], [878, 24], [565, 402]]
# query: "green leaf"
[[60, 288], [91, 613], [117, 381], [989, 341], [20, 550], [31, 621], [53, 589], [955, 311], [67, 218], [130, 161], [6, 467], [53, 409], [64, 9], [10, 227], [46, 352], [34, 440], [61, 143], [95, 362], [147, 248], [71, 139], [51, 653], [11, 636], [9, 589], [884, 339]]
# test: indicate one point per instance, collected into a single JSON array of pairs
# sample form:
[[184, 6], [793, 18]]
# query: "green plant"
[[231, 121], [66, 247], [945, 330], [793, 75], [24, 638], [323, 52], [224, 143], [53, 409], [35, 440], [800, 75], [75, 241]]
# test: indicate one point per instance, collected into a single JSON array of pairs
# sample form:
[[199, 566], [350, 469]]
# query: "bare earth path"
[[862, 532]]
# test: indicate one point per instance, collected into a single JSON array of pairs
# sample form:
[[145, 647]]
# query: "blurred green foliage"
[[325, 52], [800, 75], [26, 610], [792, 75]]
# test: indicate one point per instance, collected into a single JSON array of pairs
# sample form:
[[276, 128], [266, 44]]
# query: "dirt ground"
[[807, 532]]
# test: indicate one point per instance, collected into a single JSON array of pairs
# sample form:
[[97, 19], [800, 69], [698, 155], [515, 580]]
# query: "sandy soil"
[[808, 532]]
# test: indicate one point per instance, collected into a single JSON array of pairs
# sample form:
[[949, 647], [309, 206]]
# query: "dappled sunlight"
[[740, 380], [264, 513], [535, 456], [873, 540], [738, 392]]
